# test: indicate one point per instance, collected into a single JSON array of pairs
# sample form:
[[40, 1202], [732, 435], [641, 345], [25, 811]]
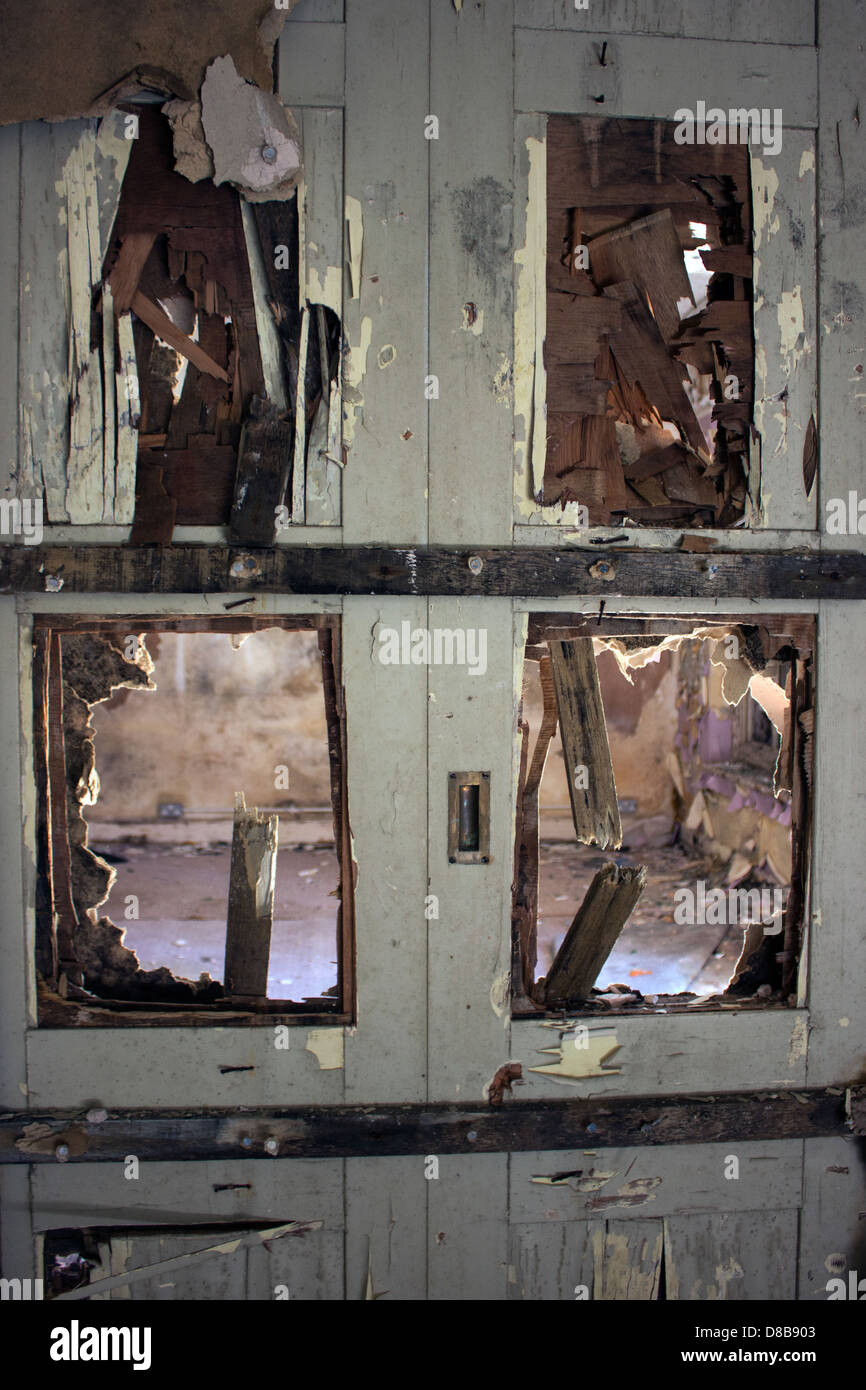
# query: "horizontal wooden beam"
[[365, 1131], [530, 573]]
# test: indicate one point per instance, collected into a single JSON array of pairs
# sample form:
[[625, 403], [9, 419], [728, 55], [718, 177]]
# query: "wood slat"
[[584, 744], [544, 572]]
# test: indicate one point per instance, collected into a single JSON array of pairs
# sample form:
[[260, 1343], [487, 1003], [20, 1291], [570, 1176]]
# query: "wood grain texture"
[[471, 297], [386, 157], [471, 724], [551, 572], [586, 750]]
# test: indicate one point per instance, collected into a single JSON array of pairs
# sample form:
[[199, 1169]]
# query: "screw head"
[[472, 1136], [61, 1153], [271, 1146], [476, 564], [269, 154], [246, 1142]]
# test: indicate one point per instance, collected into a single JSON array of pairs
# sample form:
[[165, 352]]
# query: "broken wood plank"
[[544, 571], [125, 274], [648, 253], [585, 746], [264, 459], [641, 352], [251, 901], [346, 1131], [84, 469], [163, 327], [270, 347], [608, 904]]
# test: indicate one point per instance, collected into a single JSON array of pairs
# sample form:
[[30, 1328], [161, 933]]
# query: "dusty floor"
[[182, 893]]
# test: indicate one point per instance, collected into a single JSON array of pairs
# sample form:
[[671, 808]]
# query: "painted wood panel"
[[384, 370], [467, 1229], [317, 12], [471, 305], [298, 1269], [43, 365], [842, 292], [666, 1053], [472, 720], [387, 750], [650, 78], [189, 1194], [785, 322], [837, 943], [732, 1256], [15, 919], [322, 225], [386, 1228], [832, 1234], [743, 21], [550, 1261], [311, 64], [635, 1184], [10, 158], [179, 1067]]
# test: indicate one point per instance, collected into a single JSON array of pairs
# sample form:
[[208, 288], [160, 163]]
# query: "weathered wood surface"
[[650, 77], [332, 1131], [251, 901], [758, 21], [548, 572], [585, 747], [264, 459], [592, 935]]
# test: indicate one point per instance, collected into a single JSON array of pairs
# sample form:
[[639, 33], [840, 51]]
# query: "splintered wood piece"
[[162, 326], [251, 901], [609, 902], [126, 271], [584, 744], [648, 253], [264, 458], [641, 353]]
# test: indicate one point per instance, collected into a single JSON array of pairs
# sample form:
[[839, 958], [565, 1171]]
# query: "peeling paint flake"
[[326, 1044], [576, 1063]]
